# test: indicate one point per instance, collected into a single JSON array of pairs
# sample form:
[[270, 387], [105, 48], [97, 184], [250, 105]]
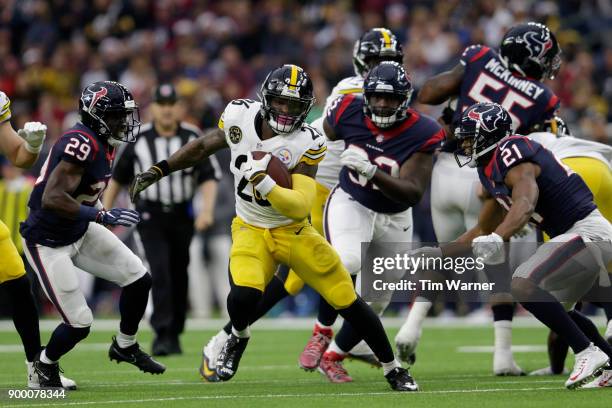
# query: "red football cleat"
[[331, 366], [316, 346]]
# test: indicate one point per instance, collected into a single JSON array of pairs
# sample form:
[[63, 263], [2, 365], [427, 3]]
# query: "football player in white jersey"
[[374, 46], [22, 149], [271, 225]]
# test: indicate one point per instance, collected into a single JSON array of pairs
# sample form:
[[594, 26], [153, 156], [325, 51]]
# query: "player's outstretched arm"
[[296, 202], [521, 179], [22, 147], [187, 156], [413, 179], [439, 88]]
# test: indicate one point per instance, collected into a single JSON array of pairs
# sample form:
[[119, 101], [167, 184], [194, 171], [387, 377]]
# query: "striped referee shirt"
[[178, 187]]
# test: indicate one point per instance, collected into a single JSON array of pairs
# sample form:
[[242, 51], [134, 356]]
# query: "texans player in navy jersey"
[[526, 183], [65, 232], [512, 77], [387, 167]]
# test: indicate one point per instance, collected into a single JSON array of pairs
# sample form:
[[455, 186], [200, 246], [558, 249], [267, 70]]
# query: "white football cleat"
[[589, 364], [33, 382], [210, 352], [504, 364], [406, 342], [604, 380], [546, 371]]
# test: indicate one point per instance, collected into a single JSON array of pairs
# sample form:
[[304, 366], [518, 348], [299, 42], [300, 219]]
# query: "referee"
[[167, 222]]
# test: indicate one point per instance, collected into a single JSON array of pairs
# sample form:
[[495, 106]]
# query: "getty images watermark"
[[403, 271]]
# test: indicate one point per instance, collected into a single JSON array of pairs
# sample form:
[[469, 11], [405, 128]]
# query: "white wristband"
[[265, 186]]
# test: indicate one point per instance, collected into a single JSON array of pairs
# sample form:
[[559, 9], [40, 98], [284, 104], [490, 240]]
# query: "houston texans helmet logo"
[[538, 44], [92, 97], [487, 115]]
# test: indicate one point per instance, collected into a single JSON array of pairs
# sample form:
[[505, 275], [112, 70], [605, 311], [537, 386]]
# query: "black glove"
[[142, 181]]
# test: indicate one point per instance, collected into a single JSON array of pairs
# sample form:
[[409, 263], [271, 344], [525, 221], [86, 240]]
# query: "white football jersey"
[[5, 107], [329, 168], [305, 144], [568, 146]]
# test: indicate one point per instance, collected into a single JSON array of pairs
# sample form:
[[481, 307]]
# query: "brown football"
[[276, 169]]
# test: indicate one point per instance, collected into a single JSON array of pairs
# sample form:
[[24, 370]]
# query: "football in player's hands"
[[276, 169]]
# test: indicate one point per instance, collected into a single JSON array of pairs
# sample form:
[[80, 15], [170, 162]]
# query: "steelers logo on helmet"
[[482, 127], [531, 50], [375, 46], [387, 90], [108, 108], [286, 98]]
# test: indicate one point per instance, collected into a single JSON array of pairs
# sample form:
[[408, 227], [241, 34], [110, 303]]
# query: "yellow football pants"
[[11, 264], [293, 284], [256, 253], [598, 178]]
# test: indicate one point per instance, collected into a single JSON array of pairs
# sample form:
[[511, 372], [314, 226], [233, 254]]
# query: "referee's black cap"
[[165, 93]]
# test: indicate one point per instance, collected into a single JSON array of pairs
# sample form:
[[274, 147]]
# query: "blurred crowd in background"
[[216, 51]]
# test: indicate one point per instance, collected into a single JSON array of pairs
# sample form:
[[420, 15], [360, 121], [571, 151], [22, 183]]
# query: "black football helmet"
[[531, 50], [482, 127], [374, 46], [387, 78], [555, 125], [291, 86], [108, 108]]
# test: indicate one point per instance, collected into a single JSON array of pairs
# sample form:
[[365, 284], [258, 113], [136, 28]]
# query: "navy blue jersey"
[[387, 148], [78, 145], [486, 79], [563, 197]]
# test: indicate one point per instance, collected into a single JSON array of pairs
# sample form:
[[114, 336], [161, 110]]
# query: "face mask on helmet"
[[555, 125], [122, 126], [374, 47], [387, 92], [483, 126], [287, 97]]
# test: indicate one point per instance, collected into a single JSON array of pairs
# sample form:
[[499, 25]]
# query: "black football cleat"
[[48, 375], [135, 356], [400, 380], [229, 358]]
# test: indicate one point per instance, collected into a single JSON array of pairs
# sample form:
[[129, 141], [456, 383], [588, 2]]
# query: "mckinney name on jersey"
[[241, 123]]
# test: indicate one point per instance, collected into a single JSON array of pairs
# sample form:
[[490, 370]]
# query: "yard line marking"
[[91, 385], [309, 395], [18, 348], [526, 348], [297, 323]]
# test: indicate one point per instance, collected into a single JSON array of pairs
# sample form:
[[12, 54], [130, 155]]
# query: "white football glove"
[[34, 134], [357, 159], [251, 167], [490, 248]]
